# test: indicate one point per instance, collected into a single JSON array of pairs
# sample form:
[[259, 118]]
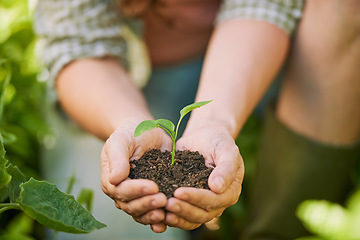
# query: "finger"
[[131, 189], [209, 200], [190, 212], [173, 220], [227, 161], [158, 228], [105, 173], [155, 138], [151, 217], [116, 150], [140, 206]]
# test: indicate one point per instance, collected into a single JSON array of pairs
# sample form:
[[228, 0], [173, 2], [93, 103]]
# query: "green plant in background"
[[331, 221], [167, 125], [22, 129], [40, 200], [22, 124]]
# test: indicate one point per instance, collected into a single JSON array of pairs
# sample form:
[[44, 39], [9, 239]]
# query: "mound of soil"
[[189, 170]]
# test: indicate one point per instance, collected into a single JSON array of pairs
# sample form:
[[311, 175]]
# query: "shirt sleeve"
[[78, 29], [282, 13]]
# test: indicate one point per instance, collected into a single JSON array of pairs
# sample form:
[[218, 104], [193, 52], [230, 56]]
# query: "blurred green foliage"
[[331, 221], [24, 94], [22, 125]]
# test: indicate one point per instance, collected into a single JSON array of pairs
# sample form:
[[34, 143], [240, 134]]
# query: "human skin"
[[321, 94], [319, 99], [112, 106], [235, 75]]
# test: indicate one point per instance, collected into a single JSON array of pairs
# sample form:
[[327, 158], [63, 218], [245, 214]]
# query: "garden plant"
[[168, 126], [40, 200], [28, 205]]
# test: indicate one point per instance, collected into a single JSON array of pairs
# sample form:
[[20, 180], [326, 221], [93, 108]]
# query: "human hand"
[[192, 207], [139, 198]]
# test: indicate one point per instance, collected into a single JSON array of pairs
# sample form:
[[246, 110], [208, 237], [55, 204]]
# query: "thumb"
[[227, 164], [118, 155]]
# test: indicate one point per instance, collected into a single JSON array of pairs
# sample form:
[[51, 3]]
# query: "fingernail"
[[219, 183]]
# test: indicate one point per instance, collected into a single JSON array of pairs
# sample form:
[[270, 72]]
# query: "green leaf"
[[71, 184], [54, 209], [310, 238], [11, 236], [353, 203], [3, 194], [5, 76], [353, 207], [166, 123], [325, 219], [21, 224], [191, 107], [86, 197], [5, 178], [7, 136], [145, 126], [17, 178]]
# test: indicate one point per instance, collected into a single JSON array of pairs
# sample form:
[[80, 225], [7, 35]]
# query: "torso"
[[179, 30]]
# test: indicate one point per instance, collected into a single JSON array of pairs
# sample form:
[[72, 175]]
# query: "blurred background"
[[22, 125], [25, 130]]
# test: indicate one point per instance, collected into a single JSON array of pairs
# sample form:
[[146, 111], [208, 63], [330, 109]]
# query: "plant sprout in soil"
[[167, 125]]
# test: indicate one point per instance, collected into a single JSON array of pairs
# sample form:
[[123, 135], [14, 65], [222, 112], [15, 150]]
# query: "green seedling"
[[167, 125]]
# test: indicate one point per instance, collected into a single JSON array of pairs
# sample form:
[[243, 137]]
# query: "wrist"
[[223, 125], [130, 122]]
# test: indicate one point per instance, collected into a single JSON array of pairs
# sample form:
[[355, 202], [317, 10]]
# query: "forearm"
[[243, 58], [98, 94]]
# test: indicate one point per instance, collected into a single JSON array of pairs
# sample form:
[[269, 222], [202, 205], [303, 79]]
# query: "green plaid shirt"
[[73, 29]]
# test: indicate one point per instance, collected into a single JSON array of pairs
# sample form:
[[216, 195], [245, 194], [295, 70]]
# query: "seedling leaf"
[[145, 126], [166, 123], [191, 107], [52, 208]]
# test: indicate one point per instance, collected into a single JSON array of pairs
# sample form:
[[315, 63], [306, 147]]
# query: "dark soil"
[[189, 170]]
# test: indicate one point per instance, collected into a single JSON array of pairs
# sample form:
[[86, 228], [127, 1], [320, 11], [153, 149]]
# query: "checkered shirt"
[[74, 29]]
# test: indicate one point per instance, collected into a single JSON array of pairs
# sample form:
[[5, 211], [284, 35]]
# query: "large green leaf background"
[[21, 124], [23, 129], [5, 178], [55, 209]]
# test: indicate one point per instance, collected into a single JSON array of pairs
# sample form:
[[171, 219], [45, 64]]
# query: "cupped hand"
[[139, 198], [192, 207]]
